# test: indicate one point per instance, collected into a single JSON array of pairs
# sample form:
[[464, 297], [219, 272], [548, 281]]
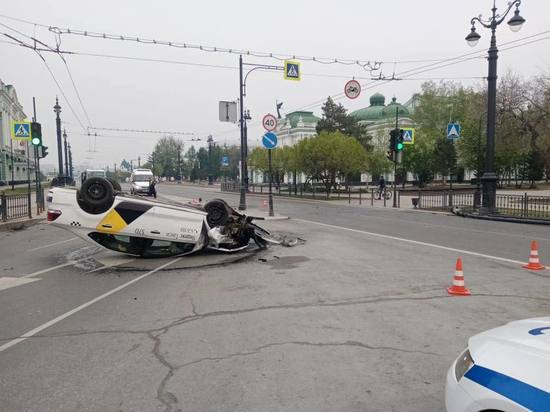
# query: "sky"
[[183, 97]]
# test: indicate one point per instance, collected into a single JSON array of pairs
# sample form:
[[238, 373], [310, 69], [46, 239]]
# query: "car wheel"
[[115, 184], [96, 195], [218, 212]]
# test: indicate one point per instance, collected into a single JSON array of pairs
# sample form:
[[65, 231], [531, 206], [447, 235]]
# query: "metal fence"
[[15, 206], [508, 205]]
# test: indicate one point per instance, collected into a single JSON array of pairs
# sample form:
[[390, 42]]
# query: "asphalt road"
[[354, 318]]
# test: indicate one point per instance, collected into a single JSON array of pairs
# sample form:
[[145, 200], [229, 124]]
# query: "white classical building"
[[294, 127], [13, 154]]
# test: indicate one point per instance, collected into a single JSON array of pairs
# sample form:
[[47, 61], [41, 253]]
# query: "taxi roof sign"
[[20, 130], [292, 70]]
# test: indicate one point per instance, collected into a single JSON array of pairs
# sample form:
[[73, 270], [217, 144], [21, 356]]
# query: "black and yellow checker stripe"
[[121, 216]]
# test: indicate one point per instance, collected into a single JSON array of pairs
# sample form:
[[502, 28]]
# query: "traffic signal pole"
[[395, 161]]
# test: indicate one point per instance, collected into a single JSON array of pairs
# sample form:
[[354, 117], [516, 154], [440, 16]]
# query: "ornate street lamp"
[[489, 178]]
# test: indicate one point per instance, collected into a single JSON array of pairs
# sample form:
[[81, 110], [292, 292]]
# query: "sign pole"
[[269, 141], [395, 162], [29, 203], [36, 163], [12, 168], [270, 183]]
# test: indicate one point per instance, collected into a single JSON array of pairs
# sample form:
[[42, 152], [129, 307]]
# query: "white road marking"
[[58, 319], [9, 282], [53, 244], [417, 242], [69, 263]]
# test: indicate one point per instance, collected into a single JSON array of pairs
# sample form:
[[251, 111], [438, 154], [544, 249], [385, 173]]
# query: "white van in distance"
[[140, 181]]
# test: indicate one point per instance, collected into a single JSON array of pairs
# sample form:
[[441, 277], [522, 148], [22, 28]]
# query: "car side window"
[[145, 247]]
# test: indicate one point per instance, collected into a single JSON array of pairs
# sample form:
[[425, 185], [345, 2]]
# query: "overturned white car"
[[150, 228]]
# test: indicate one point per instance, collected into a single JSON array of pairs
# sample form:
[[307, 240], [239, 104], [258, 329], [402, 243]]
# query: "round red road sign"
[[352, 89], [269, 122]]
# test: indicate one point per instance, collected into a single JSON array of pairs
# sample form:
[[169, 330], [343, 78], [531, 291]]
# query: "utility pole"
[[39, 194], [57, 110], [210, 141], [395, 161], [66, 157], [139, 162], [242, 200], [179, 163], [70, 163], [131, 165]]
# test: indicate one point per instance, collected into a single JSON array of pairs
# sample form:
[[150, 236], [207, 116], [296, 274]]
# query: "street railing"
[[15, 206], [507, 205], [468, 199]]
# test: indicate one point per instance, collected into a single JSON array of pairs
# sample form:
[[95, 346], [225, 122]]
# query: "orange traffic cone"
[[458, 281], [534, 263]]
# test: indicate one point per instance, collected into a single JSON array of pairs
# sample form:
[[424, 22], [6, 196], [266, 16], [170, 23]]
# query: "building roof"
[[305, 117], [378, 111]]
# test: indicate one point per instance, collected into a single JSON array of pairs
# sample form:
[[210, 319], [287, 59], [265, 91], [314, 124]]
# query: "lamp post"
[[243, 117], [489, 178], [57, 110], [210, 141], [66, 156]]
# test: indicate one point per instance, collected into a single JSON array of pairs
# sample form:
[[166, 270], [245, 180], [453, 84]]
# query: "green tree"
[[378, 163], [329, 155], [166, 156], [444, 161], [335, 118]]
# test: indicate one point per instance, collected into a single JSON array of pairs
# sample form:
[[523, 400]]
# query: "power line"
[[115, 129], [21, 43], [110, 136], [369, 65]]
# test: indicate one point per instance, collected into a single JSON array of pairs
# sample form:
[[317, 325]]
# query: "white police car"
[[503, 369], [150, 228]]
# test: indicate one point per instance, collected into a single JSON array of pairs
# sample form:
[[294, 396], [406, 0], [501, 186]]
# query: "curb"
[[503, 219], [20, 224], [270, 217]]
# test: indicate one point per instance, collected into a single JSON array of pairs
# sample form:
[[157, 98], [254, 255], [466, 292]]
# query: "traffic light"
[[399, 144], [43, 152], [393, 140], [36, 134]]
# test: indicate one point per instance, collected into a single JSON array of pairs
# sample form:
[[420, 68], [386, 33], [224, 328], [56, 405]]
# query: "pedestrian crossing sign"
[[20, 130], [453, 131], [292, 70], [408, 135]]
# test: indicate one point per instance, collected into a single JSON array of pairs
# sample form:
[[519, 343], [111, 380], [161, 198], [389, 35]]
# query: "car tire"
[[115, 184], [96, 195], [218, 212]]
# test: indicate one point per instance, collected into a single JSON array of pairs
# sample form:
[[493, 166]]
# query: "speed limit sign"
[[352, 89], [269, 122]]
